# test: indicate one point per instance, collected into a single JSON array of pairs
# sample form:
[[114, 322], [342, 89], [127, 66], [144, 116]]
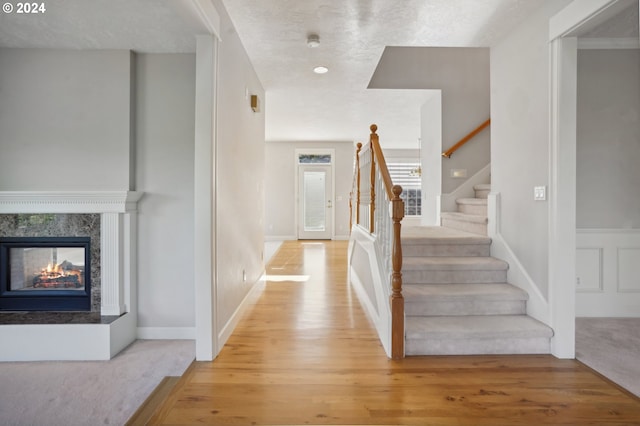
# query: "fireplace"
[[109, 219], [45, 274]]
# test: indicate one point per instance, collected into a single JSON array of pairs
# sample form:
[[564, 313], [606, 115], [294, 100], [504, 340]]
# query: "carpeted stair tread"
[[472, 201], [414, 293], [436, 241], [457, 299], [482, 190], [454, 264], [440, 235], [464, 217], [476, 327], [482, 187]]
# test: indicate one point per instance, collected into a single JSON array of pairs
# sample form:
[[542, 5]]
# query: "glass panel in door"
[[315, 202]]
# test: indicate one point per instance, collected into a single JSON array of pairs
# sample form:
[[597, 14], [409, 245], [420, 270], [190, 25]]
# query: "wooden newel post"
[[358, 148], [397, 300]]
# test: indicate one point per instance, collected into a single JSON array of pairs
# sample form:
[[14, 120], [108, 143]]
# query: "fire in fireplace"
[[45, 273]]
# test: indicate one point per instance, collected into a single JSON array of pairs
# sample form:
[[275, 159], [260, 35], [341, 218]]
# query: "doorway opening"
[[315, 190]]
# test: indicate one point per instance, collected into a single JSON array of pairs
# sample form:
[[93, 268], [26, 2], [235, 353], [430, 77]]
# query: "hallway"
[[305, 353]]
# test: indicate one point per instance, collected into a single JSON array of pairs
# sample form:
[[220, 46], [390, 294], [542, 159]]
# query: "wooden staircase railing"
[[466, 139], [377, 196]]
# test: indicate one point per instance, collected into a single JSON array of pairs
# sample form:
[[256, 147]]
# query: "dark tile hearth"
[[16, 318]]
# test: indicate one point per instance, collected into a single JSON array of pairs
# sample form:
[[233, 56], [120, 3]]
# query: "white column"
[[431, 160], [130, 266], [562, 196], [112, 260], [204, 198]]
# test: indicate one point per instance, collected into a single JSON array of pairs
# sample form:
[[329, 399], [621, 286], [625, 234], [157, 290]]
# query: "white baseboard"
[[167, 333], [280, 237], [249, 299], [537, 305], [293, 238]]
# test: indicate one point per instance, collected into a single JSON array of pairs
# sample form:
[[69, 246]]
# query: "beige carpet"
[[92, 393], [611, 346]]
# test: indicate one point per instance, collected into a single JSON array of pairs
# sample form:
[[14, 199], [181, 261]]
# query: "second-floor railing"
[[377, 207]]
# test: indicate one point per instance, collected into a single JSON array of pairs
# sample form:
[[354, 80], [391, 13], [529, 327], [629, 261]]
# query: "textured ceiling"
[[353, 34], [139, 25], [299, 105]]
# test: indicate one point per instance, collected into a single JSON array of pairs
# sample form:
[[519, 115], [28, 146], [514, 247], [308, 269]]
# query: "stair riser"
[[472, 209], [474, 228], [465, 307], [482, 193], [455, 276], [427, 346], [438, 250]]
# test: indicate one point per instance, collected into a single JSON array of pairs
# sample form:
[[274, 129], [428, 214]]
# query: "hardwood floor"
[[305, 353]]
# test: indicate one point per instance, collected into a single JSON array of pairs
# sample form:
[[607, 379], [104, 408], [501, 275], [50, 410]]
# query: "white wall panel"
[[589, 270], [629, 269], [608, 272]]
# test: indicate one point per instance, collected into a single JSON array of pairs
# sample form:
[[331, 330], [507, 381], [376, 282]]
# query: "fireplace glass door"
[[45, 273]]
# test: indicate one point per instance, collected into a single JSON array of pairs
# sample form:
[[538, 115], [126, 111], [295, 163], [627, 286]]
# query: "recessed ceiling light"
[[313, 40], [320, 70]]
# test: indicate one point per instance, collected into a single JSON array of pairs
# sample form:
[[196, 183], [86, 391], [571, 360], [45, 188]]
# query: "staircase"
[[457, 300], [472, 212]]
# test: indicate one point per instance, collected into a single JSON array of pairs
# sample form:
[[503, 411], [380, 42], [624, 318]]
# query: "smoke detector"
[[313, 40]]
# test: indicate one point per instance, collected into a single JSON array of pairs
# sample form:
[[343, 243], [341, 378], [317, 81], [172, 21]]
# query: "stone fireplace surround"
[[95, 341]]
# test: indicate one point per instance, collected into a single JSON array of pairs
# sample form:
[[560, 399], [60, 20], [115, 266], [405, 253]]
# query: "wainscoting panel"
[[628, 268], [589, 270], [608, 273]]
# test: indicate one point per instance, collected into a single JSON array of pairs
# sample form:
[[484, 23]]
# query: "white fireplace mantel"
[[118, 229], [68, 201]]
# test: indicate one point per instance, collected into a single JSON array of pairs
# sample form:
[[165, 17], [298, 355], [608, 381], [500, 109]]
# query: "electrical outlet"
[[244, 276], [539, 193]]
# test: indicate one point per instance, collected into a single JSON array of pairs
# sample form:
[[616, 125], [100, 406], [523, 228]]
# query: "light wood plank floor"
[[305, 353]]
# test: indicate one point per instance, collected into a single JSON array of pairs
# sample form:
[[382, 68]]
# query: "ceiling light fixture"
[[321, 70], [313, 40]]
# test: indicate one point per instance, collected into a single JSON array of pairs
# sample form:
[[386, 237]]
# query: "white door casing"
[[315, 188], [315, 202]]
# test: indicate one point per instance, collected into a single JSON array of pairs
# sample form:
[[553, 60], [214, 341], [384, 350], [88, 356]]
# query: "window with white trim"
[[403, 174]]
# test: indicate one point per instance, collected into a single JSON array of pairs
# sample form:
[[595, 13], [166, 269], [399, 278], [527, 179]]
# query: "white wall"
[[78, 114], [432, 160], [165, 94], [608, 139], [63, 116], [608, 207], [239, 165], [462, 75], [520, 138], [280, 180]]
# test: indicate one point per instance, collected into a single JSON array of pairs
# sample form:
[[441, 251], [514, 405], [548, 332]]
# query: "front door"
[[315, 195]]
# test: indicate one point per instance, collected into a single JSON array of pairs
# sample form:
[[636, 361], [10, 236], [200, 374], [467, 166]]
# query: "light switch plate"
[[539, 193]]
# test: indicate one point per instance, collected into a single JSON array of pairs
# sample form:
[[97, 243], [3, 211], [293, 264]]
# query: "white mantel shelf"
[[68, 201], [118, 230]]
